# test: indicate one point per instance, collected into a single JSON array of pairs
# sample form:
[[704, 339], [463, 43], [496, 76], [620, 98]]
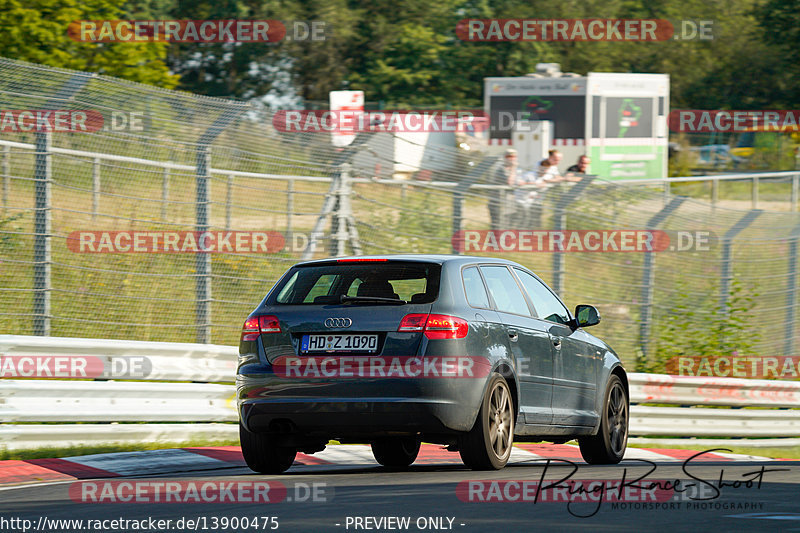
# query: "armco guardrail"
[[115, 401], [690, 390], [165, 361], [705, 422], [168, 411], [693, 421]]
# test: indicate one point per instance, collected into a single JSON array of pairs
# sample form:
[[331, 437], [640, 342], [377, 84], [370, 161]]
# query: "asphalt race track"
[[719, 491]]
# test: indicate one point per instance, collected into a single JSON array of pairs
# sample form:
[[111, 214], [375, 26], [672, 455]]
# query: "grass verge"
[[774, 453]]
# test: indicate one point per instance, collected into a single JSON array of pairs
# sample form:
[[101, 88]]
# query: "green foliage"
[[421, 225], [8, 238], [36, 31], [694, 324], [407, 53]]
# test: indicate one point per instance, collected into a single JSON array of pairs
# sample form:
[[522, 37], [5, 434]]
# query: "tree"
[[36, 31]]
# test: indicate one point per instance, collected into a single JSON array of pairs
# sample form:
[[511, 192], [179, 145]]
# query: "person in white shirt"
[[529, 200], [548, 168]]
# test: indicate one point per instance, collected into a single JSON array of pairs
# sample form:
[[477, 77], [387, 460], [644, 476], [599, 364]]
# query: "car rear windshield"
[[327, 284]]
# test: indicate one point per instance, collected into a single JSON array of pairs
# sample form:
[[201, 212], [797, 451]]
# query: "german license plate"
[[339, 343]]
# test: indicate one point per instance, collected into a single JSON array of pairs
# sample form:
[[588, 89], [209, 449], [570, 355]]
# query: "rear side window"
[[326, 283], [474, 288], [504, 290], [547, 306]]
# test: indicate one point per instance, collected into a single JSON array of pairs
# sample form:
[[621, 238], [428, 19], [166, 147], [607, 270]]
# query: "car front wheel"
[[487, 446], [608, 446], [262, 455]]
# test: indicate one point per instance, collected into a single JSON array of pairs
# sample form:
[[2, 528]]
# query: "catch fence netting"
[[162, 165]]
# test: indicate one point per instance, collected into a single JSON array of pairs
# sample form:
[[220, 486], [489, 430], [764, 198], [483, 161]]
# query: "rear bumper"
[[348, 408]]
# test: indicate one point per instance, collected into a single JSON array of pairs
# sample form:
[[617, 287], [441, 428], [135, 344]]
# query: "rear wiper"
[[345, 298]]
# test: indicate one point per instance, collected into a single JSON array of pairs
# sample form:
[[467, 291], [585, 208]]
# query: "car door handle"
[[557, 343], [513, 335]]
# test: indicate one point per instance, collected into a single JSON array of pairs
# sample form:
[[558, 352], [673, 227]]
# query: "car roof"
[[422, 258]]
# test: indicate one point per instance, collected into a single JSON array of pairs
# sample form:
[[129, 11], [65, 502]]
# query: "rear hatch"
[[349, 308]]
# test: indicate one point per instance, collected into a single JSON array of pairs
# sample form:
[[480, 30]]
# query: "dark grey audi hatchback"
[[468, 352]]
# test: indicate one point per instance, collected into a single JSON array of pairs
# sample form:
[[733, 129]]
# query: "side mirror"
[[586, 315]]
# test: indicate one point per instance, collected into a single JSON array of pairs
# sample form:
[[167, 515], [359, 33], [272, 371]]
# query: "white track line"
[[347, 454], [149, 462]]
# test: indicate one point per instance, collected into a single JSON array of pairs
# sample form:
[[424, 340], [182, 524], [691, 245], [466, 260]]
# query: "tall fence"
[[72, 201]]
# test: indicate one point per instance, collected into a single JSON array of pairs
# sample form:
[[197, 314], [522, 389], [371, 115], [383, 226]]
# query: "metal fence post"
[[42, 227], [458, 209], [202, 203], [791, 293], [164, 192], [289, 208], [726, 276], [560, 224], [795, 190], [344, 214], [5, 168], [714, 192], [755, 193], [43, 173], [202, 259], [228, 200], [648, 277], [559, 260], [95, 187], [458, 197]]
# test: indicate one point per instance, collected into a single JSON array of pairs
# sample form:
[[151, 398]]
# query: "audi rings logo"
[[338, 322]]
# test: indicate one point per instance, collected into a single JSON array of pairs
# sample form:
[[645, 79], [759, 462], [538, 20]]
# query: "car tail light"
[[255, 326], [435, 326], [446, 327], [413, 322]]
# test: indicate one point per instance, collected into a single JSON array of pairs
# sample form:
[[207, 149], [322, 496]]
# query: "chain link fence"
[[168, 168]]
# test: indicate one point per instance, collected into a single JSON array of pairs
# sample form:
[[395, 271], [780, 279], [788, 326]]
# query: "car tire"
[[396, 452], [262, 455], [608, 446], [488, 445]]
